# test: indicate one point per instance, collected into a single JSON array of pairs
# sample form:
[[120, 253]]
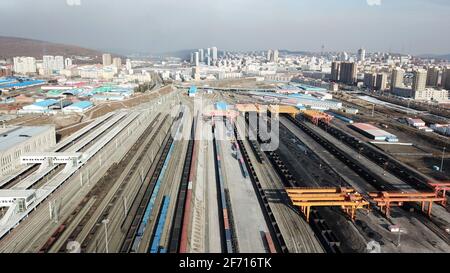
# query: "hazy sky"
[[410, 26]]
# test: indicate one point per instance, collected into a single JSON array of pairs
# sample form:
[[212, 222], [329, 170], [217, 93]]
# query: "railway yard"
[[165, 176]]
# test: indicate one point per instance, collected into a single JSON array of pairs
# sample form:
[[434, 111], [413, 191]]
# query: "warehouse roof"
[[193, 89], [46, 103], [221, 105], [23, 84], [81, 105], [9, 137]]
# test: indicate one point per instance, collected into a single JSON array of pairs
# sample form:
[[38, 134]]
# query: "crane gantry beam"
[[386, 200], [346, 198]]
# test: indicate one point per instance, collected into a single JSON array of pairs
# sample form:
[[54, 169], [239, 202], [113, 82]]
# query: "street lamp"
[[398, 230], [105, 223], [442, 161]]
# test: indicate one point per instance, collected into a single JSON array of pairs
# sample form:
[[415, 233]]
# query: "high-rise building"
[[275, 56], [269, 55], [347, 73], [202, 56], [117, 62], [48, 63], [361, 55], [67, 63], [196, 73], [370, 80], [196, 58], [335, 71], [343, 56], [398, 75], [381, 82], [24, 65], [214, 53], [420, 80], [433, 76], [445, 80], [107, 59], [128, 64]]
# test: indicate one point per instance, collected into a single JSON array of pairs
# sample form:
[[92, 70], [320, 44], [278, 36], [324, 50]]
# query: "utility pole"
[[105, 222]]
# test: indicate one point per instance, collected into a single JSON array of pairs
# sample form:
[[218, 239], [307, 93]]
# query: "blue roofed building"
[[18, 83], [39, 106], [306, 87], [192, 91], [221, 105], [78, 107]]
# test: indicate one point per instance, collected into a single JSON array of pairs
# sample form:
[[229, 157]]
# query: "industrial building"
[[373, 132], [39, 107], [17, 141], [192, 91], [221, 105], [13, 83], [78, 107], [300, 99]]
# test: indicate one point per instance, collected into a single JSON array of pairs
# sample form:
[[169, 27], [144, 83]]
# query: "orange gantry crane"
[[346, 198], [316, 116], [385, 200], [441, 188], [283, 109]]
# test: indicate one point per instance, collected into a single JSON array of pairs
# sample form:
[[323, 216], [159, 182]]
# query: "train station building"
[[17, 141]]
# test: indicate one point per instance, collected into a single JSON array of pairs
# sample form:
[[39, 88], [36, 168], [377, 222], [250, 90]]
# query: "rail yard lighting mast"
[[105, 223]]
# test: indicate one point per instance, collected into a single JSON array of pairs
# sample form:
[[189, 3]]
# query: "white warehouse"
[[17, 141]]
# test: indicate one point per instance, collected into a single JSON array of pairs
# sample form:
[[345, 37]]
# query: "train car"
[[155, 245]]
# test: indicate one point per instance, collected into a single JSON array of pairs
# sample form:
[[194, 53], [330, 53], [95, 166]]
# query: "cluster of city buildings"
[[424, 84], [51, 66], [400, 76]]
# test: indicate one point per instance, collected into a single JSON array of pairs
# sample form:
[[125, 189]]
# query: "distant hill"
[[182, 54], [12, 46], [436, 56], [294, 52]]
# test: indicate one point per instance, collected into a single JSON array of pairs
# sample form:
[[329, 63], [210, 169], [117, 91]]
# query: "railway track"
[[288, 220], [229, 242], [178, 217], [141, 215], [417, 180], [279, 243], [98, 193], [375, 180], [326, 236]]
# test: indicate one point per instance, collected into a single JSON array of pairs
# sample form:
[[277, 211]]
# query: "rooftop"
[[11, 136], [81, 104], [46, 103]]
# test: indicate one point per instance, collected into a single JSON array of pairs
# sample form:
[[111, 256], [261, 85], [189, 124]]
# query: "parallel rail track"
[[378, 182], [99, 193], [177, 223], [135, 230]]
